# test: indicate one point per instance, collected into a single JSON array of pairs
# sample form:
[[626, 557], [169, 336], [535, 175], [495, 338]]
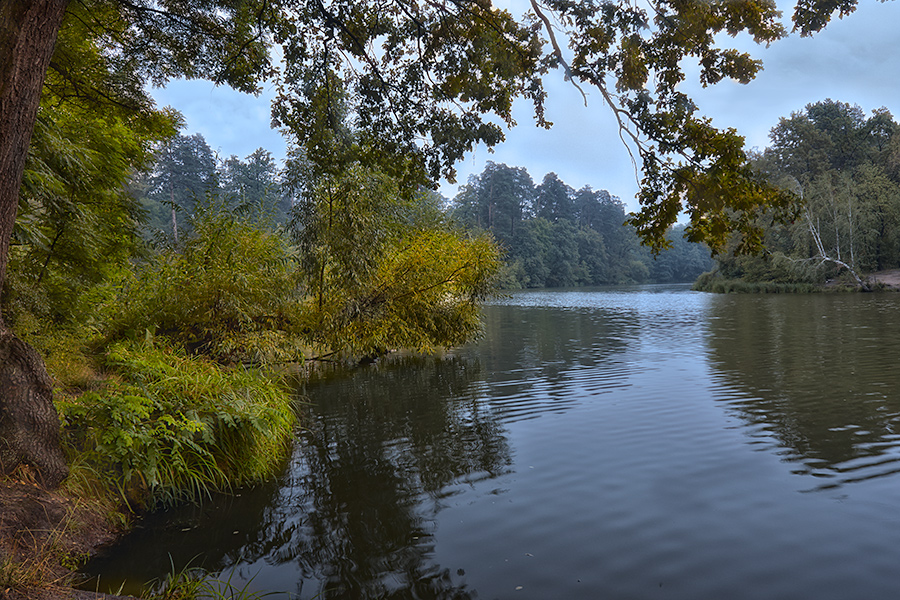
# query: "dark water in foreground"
[[616, 444]]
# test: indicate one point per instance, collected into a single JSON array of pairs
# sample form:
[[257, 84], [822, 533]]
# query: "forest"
[[555, 236], [843, 165], [550, 234], [142, 369]]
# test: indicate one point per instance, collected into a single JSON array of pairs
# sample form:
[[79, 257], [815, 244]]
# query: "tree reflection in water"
[[816, 373], [376, 459]]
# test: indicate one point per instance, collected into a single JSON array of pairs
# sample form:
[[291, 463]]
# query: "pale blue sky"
[[855, 60]]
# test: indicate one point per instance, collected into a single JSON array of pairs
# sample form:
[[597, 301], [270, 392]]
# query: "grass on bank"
[[712, 282], [167, 426], [718, 283]]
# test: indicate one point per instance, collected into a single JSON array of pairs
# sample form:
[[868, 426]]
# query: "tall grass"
[[169, 427], [190, 583]]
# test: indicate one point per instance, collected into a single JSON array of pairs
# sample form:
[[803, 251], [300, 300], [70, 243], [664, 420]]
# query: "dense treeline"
[[555, 236], [187, 173], [844, 168]]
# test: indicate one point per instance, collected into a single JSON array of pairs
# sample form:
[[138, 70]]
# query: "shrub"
[[231, 293]]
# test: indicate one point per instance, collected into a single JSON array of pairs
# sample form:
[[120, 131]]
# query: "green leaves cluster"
[[634, 55], [77, 224], [384, 271], [420, 76], [417, 83]]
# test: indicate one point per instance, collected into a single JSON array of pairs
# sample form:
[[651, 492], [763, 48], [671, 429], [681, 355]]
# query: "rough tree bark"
[[29, 424]]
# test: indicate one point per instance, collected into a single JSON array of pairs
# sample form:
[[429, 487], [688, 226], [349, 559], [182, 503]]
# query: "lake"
[[612, 443]]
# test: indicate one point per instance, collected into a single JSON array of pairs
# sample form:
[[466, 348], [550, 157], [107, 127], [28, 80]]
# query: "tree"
[[496, 200], [254, 184], [423, 75], [94, 127], [553, 199], [384, 271], [838, 160], [183, 176]]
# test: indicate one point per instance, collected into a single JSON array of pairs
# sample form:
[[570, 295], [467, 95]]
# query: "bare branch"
[[556, 49]]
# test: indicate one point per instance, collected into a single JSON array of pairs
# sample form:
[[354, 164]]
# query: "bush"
[[231, 293]]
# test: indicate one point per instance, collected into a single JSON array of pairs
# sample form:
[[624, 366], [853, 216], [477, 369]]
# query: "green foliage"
[[426, 82], [230, 293], [170, 427], [183, 177], [683, 261], [840, 164], [425, 293], [253, 184], [76, 223], [555, 236], [195, 584], [384, 271], [711, 282], [420, 80]]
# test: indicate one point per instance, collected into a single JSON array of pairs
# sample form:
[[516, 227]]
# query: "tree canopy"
[[843, 163]]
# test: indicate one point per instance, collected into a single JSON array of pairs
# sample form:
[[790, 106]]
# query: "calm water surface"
[[627, 443]]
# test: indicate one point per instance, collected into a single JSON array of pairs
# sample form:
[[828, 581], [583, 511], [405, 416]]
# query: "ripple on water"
[[632, 444]]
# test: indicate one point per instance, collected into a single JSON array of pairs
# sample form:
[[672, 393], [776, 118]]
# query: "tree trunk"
[[29, 425]]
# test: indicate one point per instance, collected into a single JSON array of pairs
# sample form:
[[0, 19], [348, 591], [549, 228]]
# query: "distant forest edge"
[[552, 235], [842, 164], [844, 168], [555, 236]]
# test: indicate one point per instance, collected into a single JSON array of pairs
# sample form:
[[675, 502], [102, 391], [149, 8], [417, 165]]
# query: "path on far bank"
[[890, 278]]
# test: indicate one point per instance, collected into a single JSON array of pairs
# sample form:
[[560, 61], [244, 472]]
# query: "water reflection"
[[817, 374], [382, 451], [543, 359], [354, 516]]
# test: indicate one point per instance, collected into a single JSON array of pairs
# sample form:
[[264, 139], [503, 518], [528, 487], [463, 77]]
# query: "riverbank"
[[886, 280], [890, 278], [145, 426], [44, 537]]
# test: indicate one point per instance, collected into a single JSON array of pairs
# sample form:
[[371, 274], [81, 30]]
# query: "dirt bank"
[[43, 535], [889, 278]]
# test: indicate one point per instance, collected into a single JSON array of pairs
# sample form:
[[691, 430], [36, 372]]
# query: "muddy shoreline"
[[44, 535]]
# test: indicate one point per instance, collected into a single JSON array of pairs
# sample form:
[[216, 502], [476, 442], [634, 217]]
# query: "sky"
[[854, 60]]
